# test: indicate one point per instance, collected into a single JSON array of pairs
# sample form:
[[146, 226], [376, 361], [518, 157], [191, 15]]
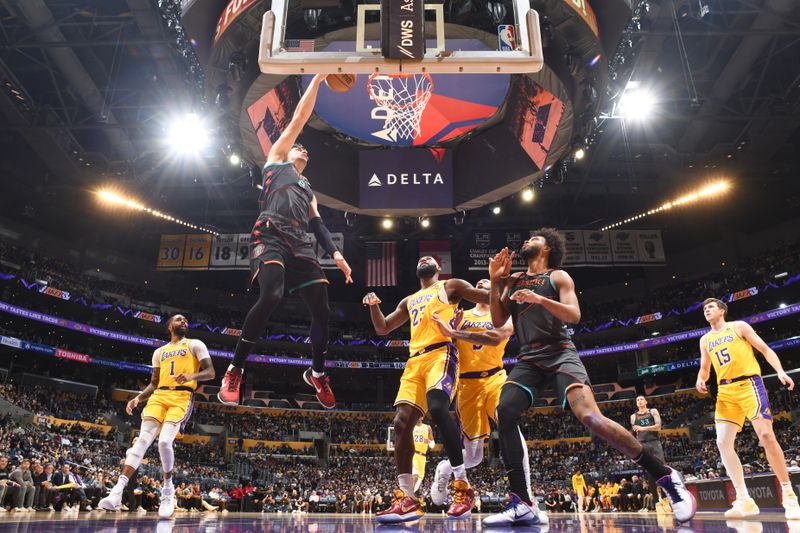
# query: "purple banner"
[[405, 179]]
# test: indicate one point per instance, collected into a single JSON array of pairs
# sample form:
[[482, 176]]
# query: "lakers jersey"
[[478, 357], [421, 435], [422, 305], [177, 358], [731, 356]]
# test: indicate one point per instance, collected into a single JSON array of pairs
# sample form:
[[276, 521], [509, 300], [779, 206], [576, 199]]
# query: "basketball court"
[[294, 523]]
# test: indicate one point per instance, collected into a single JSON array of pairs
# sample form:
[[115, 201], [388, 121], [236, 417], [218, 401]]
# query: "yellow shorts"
[[418, 465], [169, 407], [740, 400], [477, 403], [437, 369]]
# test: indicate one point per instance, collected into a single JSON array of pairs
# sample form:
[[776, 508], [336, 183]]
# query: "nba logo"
[[507, 35]]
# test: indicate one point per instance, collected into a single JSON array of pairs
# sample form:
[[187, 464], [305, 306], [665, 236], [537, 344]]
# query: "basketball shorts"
[[169, 407], [437, 369], [740, 400], [477, 403], [563, 370], [280, 243], [418, 465]]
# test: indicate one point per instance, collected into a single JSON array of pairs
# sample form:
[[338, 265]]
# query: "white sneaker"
[[19, 509], [112, 502], [440, 480], [516, 513], [791, 506], [50, 508], [742, 508], [167, 507], [30, 509], [88, 507], [141, 509], [683, 503]]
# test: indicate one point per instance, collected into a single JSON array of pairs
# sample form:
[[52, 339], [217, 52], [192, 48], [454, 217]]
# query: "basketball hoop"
[[405, 96]]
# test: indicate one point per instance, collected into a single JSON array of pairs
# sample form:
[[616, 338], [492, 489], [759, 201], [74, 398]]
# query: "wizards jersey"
[[731, 356], [177, 358], [286, 193], [478, 357], [421, 434], [422, 305]]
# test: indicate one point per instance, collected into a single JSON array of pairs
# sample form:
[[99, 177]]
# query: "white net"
[[403, 97]]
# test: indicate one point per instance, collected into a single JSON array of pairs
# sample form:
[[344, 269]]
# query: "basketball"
[[341, 83]]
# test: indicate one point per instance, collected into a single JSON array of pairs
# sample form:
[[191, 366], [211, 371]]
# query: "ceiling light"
[[496, 210], [387, 223]]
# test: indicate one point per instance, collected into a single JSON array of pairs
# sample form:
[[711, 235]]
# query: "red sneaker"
[[323, 388], [403, 509], [229, 391], [463, 500]]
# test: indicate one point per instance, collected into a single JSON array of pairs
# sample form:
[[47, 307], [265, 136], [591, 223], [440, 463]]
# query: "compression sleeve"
[[322, 234]]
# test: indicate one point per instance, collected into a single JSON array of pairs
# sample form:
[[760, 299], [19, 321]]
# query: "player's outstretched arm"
[[489, 337], [324, 238], [385, 324], [459, 288], [499, 272], [746, 331], [280, 150], [705, 368]]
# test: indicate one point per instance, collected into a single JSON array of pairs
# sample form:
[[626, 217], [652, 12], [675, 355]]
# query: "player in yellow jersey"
[[728, 347], [481, 376], [177, 367], [579, 486], [423, 441], [428, 383]]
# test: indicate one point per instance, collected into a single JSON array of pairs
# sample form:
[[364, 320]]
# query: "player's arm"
[[386, 324], [499, 272], [705, 368], [459, 288], [280, 150], [431, 442], [489, 337], [198, 348], [657, 422], [324, 238], [634, 427], [151, 387], [566, 308], [746, 331]]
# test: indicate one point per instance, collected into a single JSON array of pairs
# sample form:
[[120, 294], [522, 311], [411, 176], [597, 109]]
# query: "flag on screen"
[[298, 45], [381, 264]]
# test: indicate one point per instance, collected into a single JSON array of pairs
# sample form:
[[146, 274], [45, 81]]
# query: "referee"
[[646, 425]]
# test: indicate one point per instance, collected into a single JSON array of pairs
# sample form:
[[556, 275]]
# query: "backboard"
[[328, 36]]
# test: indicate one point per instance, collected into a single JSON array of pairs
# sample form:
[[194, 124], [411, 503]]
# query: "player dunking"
[[177, 367], [282, 255], [480, 359], [428, 384], [542, 301], [423, 441], [741, 395]]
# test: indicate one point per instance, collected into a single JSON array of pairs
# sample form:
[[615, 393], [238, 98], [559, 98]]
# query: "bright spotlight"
[[782, 305], [188, 134], [496, 210], [527, 195], [636, 104], [387, 223], [580, 153], [425, 222], [235, 159]]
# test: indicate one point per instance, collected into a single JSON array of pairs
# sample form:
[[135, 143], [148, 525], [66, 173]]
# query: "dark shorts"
[[655, 449], [280, 243], [563, 370]]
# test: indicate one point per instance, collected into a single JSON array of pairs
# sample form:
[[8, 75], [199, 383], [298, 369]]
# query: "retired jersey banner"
[[440, 251], [170, 252], [609, 248], [197, 252]]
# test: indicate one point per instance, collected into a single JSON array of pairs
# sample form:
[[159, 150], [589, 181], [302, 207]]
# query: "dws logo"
[[406, 178]]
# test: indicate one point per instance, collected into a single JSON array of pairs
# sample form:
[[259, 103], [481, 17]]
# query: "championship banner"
[[197, 252], [55, 293], [141, 315], [440, 251], [485, 244], [170, 252]]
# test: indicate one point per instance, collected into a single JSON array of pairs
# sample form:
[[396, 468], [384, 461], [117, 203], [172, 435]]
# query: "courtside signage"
[[405, 179]]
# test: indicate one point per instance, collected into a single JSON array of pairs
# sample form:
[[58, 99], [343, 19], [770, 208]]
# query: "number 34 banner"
[[223, 252]]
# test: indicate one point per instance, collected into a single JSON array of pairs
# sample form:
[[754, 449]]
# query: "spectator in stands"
[[7, 485], [23, 499], [637, 496], [648, 503], [625, 495], [73, 496]]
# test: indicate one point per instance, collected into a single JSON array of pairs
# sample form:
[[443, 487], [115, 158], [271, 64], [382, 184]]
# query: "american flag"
[[298, 45], [381, 264]]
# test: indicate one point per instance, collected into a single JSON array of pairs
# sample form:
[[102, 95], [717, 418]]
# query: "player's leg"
[[743, 505], [270, 276], [165, 449], [777, 460], [404, 507], [133, 458], [315, 295]]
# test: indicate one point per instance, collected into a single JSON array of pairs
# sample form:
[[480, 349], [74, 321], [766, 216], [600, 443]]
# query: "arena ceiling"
[[87, 86]]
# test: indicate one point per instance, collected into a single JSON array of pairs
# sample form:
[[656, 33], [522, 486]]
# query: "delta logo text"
[[406, 178]]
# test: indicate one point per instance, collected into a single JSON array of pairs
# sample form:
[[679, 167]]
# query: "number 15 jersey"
[[731, 356]]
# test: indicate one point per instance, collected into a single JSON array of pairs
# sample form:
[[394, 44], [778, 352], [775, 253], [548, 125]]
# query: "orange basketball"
[[341, 83]]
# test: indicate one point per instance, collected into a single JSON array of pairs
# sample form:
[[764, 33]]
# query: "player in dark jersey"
[[541, 301], [646, 423], [282, 255]]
